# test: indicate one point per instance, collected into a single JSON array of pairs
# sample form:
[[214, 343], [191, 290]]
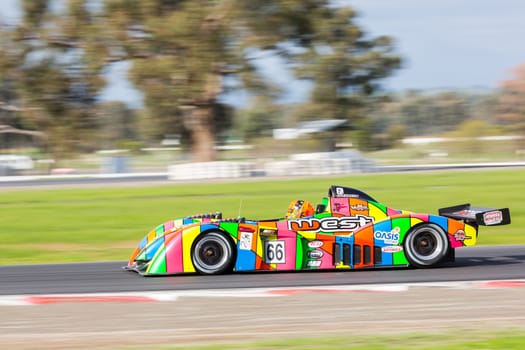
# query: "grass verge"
[[458, 340], [86, 224]]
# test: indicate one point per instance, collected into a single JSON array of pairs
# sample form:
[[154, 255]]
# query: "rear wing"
[[478, 215]]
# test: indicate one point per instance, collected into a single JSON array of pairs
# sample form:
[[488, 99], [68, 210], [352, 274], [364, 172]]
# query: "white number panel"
[[274, 252]]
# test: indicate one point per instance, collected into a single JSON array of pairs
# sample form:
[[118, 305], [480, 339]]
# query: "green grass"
[[459, 340], [67, 225]]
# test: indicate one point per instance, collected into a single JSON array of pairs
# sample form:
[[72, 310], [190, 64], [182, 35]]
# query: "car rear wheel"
[[213, 253], [426, 245]]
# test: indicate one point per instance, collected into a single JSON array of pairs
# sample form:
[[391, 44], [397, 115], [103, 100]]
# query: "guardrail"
[[247, 170], [321, 163], [445, 166]]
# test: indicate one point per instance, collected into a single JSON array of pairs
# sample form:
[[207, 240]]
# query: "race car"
[[348, 230]]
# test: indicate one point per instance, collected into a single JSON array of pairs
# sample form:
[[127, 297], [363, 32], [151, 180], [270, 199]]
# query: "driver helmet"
[[299, 209]]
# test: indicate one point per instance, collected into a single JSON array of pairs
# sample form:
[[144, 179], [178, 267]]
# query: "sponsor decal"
[[331, 224], [268, 232], [461, 236], [274, 252], [338, 206], [315, 244], [359, 207], [391, 237], [392, 249], [314, 263], [493, 217], [315, 254], [339, 191], [466, 212], [245, 242]]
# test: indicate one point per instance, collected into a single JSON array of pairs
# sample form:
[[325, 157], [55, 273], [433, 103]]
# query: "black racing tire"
[[213, 253], [426, 245]]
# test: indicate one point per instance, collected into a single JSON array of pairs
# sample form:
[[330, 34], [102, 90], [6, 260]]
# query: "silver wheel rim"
[[211, 253], [426, 244]]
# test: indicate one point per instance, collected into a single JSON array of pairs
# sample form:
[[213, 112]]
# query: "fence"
[[325, 163]]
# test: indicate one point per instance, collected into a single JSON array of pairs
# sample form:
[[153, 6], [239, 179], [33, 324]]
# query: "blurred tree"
[[55, 81], [394, 135], [8, 110], [180, 51], [345, 65], [117, 124], [430, 113], [183, 49], [510, 110], [258, 120], [442, 111], [466, 137]]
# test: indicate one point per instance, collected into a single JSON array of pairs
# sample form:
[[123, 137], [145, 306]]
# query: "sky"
[[445, 44], [449, 43]]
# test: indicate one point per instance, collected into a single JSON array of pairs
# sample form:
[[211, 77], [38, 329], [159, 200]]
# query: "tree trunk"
[[202, 134]]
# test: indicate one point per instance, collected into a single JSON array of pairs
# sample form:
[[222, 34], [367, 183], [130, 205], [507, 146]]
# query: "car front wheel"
[[213, 253]]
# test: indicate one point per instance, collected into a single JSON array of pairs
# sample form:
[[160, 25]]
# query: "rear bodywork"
[[348, 230]]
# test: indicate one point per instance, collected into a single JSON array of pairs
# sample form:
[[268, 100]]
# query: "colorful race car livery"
[[348, 230]]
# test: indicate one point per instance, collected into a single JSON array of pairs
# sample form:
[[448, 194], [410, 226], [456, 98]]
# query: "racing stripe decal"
[[158, 264], [470, 232], [299, 253], [188, 236], [174, 263], [376, 212]]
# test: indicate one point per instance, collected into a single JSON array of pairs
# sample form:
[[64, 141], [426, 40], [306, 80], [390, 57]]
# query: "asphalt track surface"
[[472, 263], [200, 316]]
